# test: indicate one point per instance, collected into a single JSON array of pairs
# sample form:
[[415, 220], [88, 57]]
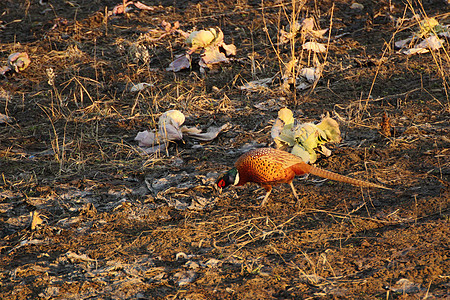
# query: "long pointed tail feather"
[[338, 177]]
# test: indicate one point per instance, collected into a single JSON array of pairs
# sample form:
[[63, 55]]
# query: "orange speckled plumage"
[[268, 166]]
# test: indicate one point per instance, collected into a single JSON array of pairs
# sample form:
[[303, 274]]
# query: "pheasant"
[[268, 167]]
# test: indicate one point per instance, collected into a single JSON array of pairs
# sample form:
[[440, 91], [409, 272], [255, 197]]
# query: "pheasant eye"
[[221, 183]]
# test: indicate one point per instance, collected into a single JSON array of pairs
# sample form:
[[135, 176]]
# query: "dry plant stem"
[[105, 20], [266, 30], [436, 55], [326, 53], [59, 153], [379, 65], [292, 22]]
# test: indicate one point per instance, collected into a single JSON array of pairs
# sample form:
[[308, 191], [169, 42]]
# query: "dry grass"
[[69, 156]]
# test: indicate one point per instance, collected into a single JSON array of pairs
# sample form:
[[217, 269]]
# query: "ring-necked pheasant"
[[268, 167]]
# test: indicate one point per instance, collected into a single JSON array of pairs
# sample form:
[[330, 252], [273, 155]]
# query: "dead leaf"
[[311, 74], [203, 38], [4, 70], [270, 105], [308, 32], [169, 130], [212, 55], [173, 116], [211, 133], [184, 278], [17, 62], [182, 62], [211, 41], [120, 9], [432, 42], [142, 6], [140, 86], [402, 43], [357, 6], [314, 46], [229, 49], [405, 286], [145, 138], [256, 85]]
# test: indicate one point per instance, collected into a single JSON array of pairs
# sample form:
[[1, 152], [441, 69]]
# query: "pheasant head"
[[229, 178]]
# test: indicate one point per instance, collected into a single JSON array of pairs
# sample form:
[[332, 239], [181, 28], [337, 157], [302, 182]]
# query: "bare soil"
[[68, 155]]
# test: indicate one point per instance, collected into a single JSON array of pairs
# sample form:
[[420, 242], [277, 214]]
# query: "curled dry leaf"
[[172, 117], [212, 55], [182, 255], [72, 256], [286, 115], [311, 74], [140, 86], [306, 28], [203, 38], [185, 278], [230, 50], [402, 43], [210, 134], [167, 27], [428, 35], [430, 43], [211, 42], [169, 130], [257, 85], [142, 6], [404, 286], [182, 62], [164, 29], [308, 32], [120, 8], [357, 6], [4, 70], [19, 61], [314, 46]]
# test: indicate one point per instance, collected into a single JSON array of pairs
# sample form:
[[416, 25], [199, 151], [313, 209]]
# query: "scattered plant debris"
[[212, 46], [426, 39], [304, 139], [17, 62], [169, 129], [124, 8], [306, 29]]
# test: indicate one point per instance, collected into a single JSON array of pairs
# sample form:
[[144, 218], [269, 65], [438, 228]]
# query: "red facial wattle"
[[221, 183]]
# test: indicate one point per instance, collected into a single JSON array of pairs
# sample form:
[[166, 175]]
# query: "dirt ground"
[[112, 222]]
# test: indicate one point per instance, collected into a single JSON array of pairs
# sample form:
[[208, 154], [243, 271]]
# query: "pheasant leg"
[[269, 190]]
